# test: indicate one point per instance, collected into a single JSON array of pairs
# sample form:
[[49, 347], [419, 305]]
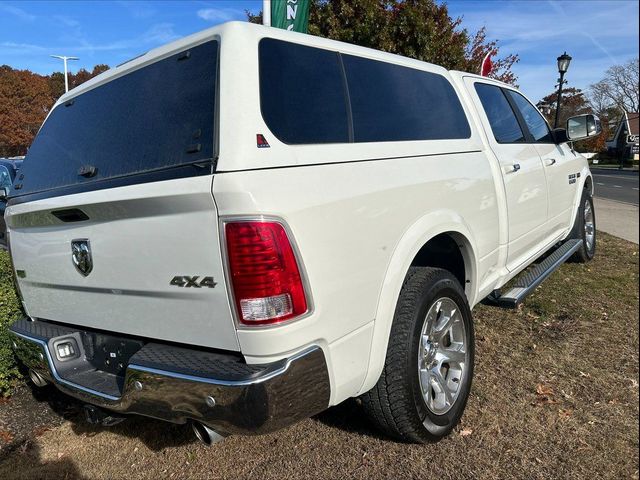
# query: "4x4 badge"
[[81, 256], [188, 281]]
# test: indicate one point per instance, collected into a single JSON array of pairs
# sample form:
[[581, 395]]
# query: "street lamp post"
[[563, 65], [65, 59]]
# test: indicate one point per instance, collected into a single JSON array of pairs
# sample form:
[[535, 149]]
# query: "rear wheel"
[[426, 379], [585, 229]]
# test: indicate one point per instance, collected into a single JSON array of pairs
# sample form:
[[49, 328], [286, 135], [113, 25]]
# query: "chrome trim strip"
[[115, 291]]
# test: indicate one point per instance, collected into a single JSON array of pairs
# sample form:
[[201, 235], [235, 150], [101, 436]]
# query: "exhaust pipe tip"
[[205, 434], [37, 379]]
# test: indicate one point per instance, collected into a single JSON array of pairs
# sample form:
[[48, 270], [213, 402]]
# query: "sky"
[[597, 34]]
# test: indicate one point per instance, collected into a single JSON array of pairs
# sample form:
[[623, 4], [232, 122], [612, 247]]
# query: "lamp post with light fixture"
[[563, 65], [65, 59]]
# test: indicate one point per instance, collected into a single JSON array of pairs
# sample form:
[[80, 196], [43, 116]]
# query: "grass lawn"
[[555, 396]]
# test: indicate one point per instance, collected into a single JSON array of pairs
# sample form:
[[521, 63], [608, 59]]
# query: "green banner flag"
[[290, 14]]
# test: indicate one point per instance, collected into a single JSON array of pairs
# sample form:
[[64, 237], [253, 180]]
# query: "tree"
[[420, 29], [573, 102], [56, 79], [619, 88], [25, 101], [479, 47]]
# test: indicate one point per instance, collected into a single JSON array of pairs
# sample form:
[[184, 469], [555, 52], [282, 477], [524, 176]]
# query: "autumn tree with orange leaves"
[[25, 100]]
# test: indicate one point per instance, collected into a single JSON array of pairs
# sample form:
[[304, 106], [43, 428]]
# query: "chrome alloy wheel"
[[442, 355], [589, 227]]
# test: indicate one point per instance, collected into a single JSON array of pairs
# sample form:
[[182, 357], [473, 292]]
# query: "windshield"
[[155, 118]]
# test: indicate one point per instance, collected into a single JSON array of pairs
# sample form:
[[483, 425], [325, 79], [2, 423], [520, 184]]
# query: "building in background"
[[623, 144]]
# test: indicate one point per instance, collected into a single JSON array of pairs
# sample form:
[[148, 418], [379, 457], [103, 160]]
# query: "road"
[[620, 186]]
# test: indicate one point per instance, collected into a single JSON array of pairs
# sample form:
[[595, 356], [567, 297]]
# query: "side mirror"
[[4, 193], [583, 126]]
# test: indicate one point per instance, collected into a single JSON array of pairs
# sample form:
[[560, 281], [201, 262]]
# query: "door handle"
[[550, 161], [511, 168]]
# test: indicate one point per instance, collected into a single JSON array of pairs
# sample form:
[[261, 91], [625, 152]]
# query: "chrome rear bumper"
[[176, 384]]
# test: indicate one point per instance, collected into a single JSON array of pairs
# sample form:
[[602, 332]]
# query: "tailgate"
[[140, 237]]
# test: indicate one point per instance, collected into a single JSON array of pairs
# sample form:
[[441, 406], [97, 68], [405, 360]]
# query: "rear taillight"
[[265, 275]]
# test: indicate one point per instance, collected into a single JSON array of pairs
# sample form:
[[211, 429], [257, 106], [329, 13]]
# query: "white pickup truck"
[[249, 225]]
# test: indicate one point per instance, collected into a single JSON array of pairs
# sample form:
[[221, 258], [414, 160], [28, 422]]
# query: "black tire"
[[586, 252], [396, 403]]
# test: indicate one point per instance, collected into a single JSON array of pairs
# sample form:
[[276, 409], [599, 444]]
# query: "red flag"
[[486, 67]]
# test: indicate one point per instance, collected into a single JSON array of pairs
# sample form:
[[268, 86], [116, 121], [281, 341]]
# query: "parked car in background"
[[8, 169], [249, 225]]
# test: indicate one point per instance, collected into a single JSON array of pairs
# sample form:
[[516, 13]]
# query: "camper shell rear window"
[[155, 123]]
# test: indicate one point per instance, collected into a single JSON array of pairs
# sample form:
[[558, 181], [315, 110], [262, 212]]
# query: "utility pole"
[[65, 59]]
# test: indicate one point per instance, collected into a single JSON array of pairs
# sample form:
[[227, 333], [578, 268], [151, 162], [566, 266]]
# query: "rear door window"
[[155, 118], [502, 119]]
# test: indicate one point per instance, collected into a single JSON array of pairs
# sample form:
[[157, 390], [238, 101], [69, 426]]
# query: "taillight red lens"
[[266, 280]]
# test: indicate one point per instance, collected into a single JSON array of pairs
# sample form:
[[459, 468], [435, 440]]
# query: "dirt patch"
[[555, 396], [30, 412]]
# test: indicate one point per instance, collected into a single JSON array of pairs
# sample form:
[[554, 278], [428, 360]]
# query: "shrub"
[[10, 309]]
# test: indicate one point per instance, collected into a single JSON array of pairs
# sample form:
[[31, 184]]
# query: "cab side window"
[[536, 123], [502, 119]]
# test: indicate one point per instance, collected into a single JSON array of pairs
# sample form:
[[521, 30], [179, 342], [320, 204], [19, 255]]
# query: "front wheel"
[[426, 379], [585, 229]]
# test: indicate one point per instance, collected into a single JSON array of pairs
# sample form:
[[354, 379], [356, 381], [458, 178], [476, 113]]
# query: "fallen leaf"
[[5, 436], [543, 389], [545, 395], [38, 432], [24, 447], [465, 432], [565, 412]]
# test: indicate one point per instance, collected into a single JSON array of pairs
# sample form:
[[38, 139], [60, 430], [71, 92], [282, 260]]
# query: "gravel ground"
[[555, 396]]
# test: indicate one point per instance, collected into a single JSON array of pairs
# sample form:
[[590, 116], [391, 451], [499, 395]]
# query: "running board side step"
[[529, 280]]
